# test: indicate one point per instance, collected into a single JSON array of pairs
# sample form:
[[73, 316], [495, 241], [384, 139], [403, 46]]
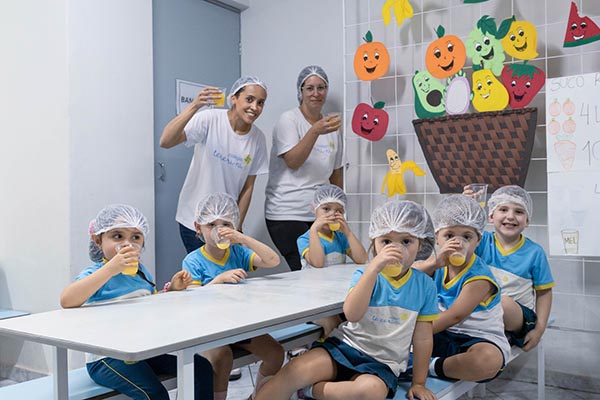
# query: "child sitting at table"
[[226, 257], [389, 306], [469, 341], [519, 265], [116, 240], [329, 240]]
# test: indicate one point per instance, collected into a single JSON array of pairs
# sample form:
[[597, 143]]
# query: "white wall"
[[77, 128], [279, 38]]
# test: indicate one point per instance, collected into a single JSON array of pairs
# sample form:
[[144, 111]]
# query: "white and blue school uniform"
[[520, 271], [385, 331], [204, 268], [335, 247], [486, 320]]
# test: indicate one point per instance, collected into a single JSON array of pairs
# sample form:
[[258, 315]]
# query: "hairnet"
[[216, 206], [113, 217], [329, 194], [458, 209], [306, 73], [242, 82], [511, 194], [404, 216]]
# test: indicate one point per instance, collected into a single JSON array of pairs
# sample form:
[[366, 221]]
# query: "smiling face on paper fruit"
[[446, 55], [371, 60], [522, 82], [370, 122], [521, 40]]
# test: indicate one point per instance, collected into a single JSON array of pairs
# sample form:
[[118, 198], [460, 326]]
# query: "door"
[[197, 41]]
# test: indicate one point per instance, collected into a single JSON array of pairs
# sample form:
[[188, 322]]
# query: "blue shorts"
[[529, 321], [448, 344], [350, 362]]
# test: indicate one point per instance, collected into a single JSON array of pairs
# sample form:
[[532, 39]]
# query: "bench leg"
[[185, 374], [541, 371], [61, 373]]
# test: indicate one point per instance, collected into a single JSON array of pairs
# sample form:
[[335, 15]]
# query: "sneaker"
[[235, 374], [296, 352]]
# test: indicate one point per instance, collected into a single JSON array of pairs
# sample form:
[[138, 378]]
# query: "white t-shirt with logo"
[[222, 160], [289, 192]]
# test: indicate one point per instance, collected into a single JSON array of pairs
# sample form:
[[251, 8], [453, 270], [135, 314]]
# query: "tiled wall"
[[577, 293]]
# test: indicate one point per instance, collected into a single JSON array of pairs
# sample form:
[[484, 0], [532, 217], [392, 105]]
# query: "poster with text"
[[573, 157]]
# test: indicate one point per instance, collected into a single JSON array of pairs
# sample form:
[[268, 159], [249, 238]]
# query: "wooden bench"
[[81, 386]]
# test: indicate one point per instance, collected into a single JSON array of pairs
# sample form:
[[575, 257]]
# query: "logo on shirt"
[[248, 159], [233, 159], [325, 148]]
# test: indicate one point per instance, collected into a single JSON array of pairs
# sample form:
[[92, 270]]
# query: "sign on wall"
[[573, 164], [186, 92]]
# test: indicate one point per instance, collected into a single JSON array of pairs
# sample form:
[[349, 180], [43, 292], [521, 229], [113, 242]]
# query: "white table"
[[186, 322]]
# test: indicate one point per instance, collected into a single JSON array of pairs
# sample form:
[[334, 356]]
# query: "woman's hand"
[[327, 124], [207, 97]]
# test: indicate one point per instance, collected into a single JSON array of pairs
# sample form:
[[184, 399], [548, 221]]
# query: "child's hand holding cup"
[[458, 256], [395, 269], [221, 241], [132, 267], [479, 192]]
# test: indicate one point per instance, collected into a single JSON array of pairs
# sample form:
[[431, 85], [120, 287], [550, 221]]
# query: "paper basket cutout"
[[492, 147]]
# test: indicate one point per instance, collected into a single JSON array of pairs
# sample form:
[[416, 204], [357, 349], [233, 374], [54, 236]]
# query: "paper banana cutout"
[[402, 9]]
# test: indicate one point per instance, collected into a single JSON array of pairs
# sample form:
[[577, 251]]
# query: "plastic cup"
[[220, 101], [220, 241], [133, 266], [395, 269], [570, 240], [336, 115], [479, 192], [459, 257], [334, 226]]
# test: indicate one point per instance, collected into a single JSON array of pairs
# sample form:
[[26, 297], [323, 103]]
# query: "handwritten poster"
[[573, 157]]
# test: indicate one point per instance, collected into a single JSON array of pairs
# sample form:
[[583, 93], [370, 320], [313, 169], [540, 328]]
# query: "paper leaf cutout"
[[369, 122], [488, 93], [371, 60], [458, 95], [446, 55], [394, 180], [484, 48], [519, 38], [429, 95], [580, 30], [523, 82], [401, 8]]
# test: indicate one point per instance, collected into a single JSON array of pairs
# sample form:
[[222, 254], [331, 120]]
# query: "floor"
[[499, 389]]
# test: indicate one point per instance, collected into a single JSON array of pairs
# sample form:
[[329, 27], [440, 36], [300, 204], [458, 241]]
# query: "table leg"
[[61, 373], [541, 386], [185, 374]]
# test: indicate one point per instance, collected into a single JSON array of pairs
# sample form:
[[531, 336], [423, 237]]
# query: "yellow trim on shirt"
[[252, 267], [197, 283], [220, 262], [428, 318], [544, 287], [328, 238], [305, 251], [459, 275], [397, 283], [486, 302], [509, 251]]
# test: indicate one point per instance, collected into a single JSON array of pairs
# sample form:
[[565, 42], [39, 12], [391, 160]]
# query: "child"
[[226, 257], [469, 341], [519, 265], [387, 308], [329, 239], [122, 226]]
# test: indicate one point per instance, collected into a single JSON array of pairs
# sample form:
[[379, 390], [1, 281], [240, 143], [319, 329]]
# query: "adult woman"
[[306, 153], [229, 151]]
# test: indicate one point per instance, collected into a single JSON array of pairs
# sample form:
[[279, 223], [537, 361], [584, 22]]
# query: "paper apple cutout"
[[369, 122]]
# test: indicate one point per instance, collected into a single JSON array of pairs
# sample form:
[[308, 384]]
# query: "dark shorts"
[[284, 235], [190, 239], [529, 321], [448, 344], [351, 362]]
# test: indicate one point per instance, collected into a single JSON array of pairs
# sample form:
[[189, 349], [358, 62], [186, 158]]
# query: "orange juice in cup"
[[220, 101], [459, 256], [220, 241], [395, 269], [133, 267], [334, 226]]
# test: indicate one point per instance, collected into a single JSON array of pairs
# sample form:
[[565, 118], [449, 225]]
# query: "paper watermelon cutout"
[[580, 30]]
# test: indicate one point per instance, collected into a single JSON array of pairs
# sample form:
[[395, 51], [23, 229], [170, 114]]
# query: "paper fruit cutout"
[[393, 178], [565, 150], [429, 95], [484, 48], [523, 82], [369, 122], [488, 93], [458, 95], [580, 30], [371, 60], [520, 40], [402, 9], [446, 55]]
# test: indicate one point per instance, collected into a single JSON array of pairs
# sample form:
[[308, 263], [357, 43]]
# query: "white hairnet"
[[511, 194], [242, 82], [216, 206], [306, 73], [404, 216], [113, 217], [329, 194], [458, 209]]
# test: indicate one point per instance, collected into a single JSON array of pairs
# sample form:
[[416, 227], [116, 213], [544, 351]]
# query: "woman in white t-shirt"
[[229, 151], [306, 153]]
